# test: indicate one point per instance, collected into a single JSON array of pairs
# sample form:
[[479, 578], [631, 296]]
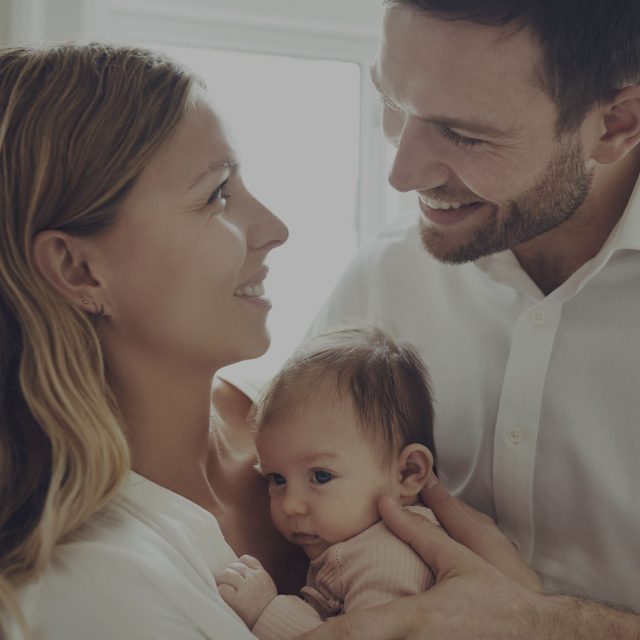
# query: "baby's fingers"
[[227, 592], [250, 561]]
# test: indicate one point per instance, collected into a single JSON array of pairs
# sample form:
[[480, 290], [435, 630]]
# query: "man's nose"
[[418, 164]]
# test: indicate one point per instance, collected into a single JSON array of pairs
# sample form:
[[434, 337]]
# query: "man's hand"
[[474, 530], [473, 599], [247, 588]]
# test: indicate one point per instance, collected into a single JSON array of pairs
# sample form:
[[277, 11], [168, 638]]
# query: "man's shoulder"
[[401, 233]]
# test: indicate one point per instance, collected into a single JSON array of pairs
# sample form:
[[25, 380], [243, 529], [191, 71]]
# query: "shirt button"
[[515, 435], [538, 317]]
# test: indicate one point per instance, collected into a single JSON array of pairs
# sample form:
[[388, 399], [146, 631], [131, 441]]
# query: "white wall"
[[4, 20]]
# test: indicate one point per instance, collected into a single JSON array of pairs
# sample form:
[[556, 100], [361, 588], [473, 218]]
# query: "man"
[[516, 123]]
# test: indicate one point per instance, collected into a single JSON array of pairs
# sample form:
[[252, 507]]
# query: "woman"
[[132, 263]]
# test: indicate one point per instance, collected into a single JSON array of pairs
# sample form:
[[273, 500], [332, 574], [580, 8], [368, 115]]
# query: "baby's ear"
[[414, 465]]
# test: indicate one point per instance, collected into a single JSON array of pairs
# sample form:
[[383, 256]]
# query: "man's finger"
[[477, 532], [391, 620], [460, 520], [427, 539]]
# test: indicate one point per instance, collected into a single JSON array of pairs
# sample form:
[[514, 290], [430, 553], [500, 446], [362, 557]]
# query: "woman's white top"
[[142, 569]]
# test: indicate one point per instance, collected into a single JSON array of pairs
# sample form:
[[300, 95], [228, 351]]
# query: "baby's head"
[[347, 419]]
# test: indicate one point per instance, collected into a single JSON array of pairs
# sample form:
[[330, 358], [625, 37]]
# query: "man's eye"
[[320, 476], [218, 194], [457, 139], [277, 479]]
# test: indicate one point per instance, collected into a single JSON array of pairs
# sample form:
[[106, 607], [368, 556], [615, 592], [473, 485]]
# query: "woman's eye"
[[387, 104], [320, 476], [277, 479], [219, 194]]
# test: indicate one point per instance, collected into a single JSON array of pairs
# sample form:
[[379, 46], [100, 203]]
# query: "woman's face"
[[183, 268]]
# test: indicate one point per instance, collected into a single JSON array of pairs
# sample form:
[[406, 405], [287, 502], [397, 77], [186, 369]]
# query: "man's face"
[[475, 134]]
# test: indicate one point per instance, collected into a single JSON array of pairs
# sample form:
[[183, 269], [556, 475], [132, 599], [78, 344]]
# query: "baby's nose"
[[294, 503]]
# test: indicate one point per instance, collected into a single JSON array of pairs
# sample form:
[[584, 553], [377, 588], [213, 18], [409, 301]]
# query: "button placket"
[[538, 317], [518, 422]]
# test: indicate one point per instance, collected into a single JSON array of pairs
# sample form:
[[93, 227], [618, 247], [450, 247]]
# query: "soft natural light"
[[294, 122]]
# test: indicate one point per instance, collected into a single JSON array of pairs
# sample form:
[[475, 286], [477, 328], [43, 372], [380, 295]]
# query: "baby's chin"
[[314, 551], [313, 545]]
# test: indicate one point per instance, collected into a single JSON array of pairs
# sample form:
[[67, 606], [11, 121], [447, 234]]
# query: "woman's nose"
[[266, 230]]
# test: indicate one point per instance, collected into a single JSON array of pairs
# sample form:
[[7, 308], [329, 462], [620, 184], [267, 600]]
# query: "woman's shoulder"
[[130, 572], [110, 575]]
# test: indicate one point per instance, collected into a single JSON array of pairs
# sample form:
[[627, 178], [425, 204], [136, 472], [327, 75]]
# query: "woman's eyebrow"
[[228, 163]]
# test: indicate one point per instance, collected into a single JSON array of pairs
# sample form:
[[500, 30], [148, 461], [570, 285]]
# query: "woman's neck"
[[166, 413]]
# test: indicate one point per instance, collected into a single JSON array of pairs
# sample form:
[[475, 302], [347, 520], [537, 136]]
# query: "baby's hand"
[[247, 588]]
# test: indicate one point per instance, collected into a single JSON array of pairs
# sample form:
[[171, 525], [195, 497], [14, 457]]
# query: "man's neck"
[[550, 259]]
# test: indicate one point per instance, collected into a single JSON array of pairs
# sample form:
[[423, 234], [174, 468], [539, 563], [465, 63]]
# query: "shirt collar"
[[505, 269], [628, 229]]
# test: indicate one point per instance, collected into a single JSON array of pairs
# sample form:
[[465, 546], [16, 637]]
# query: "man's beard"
[[554, 199]]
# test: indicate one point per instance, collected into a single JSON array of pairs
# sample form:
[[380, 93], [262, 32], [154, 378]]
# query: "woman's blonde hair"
[[78, 123]]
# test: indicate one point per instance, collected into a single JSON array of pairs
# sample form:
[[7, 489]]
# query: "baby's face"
[[324, 477]]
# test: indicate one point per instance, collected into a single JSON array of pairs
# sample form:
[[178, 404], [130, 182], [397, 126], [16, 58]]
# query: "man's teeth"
[[250, 290], [437, 204]]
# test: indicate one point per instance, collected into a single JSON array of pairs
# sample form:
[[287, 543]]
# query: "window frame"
[[200, 24]]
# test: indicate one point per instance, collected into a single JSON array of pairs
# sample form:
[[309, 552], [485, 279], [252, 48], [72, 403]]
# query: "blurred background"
[[291, 79]]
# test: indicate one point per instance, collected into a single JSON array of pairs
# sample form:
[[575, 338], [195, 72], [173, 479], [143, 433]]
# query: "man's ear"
[[619, 122], [62, 260], [414, 465]]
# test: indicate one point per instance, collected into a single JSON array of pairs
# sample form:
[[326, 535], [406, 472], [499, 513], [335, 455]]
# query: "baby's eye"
[[320, 476], [277, 479]]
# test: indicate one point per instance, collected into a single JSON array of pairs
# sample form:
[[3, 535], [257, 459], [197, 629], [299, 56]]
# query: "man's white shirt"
[[537, 398]]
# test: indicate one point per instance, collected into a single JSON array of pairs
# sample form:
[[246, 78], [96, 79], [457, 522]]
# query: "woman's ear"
[[62, 261], [414, 465], [619, 122]]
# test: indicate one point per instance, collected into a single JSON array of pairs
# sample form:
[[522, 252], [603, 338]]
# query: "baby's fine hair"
[[385, 379]]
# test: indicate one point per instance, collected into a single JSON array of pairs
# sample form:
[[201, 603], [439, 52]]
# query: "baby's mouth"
[[302, 538]]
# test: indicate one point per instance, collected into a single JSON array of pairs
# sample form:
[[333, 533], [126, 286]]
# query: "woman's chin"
[[254, 348]]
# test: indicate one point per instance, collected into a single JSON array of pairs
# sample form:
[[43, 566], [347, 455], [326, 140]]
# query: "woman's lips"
[[253, 290]]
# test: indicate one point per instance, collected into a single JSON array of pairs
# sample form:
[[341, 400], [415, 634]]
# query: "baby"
[[347, 419]]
